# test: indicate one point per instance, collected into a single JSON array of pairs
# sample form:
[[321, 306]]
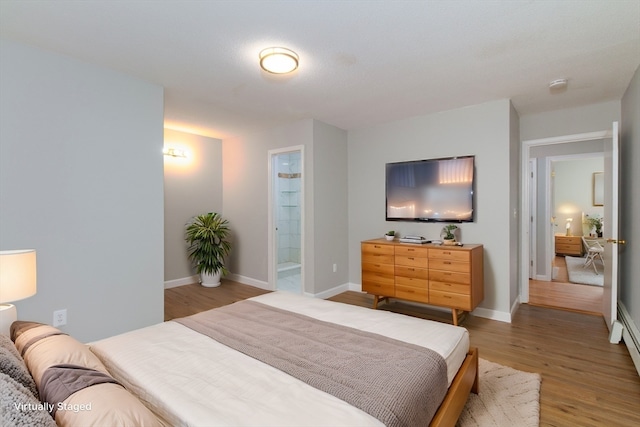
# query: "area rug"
[[507, 398], [578, 273]]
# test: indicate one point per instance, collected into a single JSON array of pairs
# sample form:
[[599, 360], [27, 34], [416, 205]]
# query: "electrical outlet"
[[60, 317], [335, 268]]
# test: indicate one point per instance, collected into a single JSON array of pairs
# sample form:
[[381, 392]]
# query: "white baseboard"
[[630, 335], [181, 282], [249, 281], [331, 292], [487, 313]]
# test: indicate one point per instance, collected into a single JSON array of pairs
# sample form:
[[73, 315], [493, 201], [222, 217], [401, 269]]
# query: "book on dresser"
[[443, 276]]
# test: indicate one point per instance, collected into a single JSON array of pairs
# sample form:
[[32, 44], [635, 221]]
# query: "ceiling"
[[361, 62]]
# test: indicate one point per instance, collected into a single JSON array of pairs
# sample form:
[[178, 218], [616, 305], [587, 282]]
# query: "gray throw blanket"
[[398, 383]]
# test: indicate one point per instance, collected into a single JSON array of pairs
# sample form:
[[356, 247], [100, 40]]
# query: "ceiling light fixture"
[[278, 60]]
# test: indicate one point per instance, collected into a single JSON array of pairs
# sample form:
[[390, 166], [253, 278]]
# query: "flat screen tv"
[[434, 190]]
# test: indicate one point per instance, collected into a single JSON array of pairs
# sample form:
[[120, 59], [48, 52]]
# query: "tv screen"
[[431, 190]]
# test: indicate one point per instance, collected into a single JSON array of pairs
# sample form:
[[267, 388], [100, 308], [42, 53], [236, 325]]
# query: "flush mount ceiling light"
[[278, 60]]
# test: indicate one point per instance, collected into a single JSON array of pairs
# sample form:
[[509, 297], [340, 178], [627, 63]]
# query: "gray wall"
[[192, 186], [589, 118], [245, 185], [629, 200], [81, 182], [482, 130], [330, 218]]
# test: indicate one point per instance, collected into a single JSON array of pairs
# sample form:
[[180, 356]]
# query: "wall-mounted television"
[[433, 190]]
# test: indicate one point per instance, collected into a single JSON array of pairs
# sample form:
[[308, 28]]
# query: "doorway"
[[286, 219], [544, 222]]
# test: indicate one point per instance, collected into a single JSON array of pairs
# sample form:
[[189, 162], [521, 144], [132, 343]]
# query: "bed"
[[186, 378]]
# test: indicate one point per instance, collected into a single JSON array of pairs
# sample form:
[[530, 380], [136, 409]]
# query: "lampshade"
[[278, 60], [17, 275]]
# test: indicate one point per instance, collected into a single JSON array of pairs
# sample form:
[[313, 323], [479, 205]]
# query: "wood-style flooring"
[[560, 293], [585, 380]]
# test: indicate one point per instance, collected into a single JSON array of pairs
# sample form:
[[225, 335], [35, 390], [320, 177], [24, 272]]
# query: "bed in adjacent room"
[[281, 359]]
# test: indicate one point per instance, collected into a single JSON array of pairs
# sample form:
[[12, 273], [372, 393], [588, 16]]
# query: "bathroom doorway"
[[286, 219]]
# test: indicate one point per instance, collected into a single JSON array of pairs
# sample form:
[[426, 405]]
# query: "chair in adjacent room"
[[593, 249]]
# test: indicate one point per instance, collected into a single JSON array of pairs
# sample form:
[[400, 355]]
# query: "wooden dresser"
[[444, 276], [568, 245]]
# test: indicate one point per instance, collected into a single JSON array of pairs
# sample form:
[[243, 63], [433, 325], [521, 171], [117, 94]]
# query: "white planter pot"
[[210, 280]]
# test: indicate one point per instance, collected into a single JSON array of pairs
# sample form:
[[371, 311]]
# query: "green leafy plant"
[[207, 236], [448, 231], [390, 233], [594, 222]]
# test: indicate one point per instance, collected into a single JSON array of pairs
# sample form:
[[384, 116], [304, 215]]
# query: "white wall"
[[192, 186], [629, 200], [480, 130], [81, 182]]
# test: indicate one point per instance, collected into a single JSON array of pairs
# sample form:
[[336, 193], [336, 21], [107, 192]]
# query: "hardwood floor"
[[585, 380], [560, 293]]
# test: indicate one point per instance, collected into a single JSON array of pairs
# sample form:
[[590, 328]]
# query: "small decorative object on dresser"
[[448, 238], [390, 235]]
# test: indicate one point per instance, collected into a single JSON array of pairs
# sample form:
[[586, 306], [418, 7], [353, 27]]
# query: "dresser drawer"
[[568, 248], [447, 299], [450, 276], [451, 255], [442, 264], [412, 261], [412, 294], [413, 282], [377, 258], [420, 273], [414, 251], [387, 269], [456, 288], [372, 276], [374, 248], [378, 288]]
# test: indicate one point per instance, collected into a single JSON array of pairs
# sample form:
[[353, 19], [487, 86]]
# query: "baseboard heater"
[[630, 334]]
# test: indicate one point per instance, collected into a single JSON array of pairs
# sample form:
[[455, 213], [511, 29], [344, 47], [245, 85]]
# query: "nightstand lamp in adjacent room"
[[17, 281]]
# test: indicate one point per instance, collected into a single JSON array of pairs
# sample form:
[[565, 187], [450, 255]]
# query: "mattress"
[[189, 379]]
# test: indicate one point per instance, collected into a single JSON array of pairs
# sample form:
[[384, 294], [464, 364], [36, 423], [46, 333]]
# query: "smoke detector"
[[558, 84]]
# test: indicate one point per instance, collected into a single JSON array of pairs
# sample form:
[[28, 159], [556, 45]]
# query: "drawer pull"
[[412, 269], [447, 252], [377, 247], [412, 258], [410, 250], [447, 262]]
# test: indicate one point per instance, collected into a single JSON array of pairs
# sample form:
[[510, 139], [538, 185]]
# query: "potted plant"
[[594, 222], [208, 245], [389, 235], [449, 238]]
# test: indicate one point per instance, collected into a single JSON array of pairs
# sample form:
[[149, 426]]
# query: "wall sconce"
[[174, 152]]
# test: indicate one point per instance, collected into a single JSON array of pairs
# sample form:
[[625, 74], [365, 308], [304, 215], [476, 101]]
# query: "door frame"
[[525, 208], [272, 255]]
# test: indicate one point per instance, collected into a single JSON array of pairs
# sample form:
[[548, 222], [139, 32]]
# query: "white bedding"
[[189, 379]]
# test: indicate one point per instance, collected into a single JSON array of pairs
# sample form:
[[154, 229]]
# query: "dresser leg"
[[458, 316]]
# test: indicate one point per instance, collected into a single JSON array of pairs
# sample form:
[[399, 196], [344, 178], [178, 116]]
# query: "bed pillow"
[[44, 347], [19, 407], [11, 364]]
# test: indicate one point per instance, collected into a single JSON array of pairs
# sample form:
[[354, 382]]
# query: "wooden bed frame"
[[465, 382]]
